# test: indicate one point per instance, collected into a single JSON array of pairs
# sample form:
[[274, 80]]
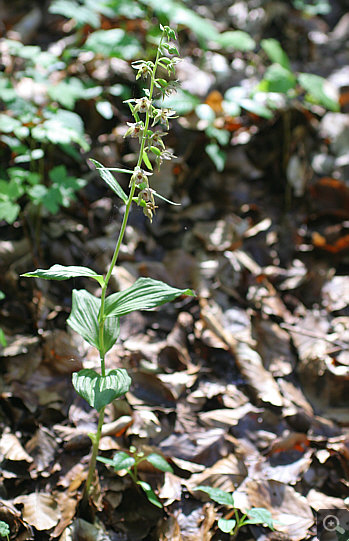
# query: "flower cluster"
[[152, 147]]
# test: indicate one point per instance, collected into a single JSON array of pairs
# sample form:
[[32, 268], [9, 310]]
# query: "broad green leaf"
[[275, 52], [183, 102], [260, 515], [144, 294], [8, 124], [105, 109], [99, 391], [237, 40], [256, 108], [221, 136], [217, 495], [60, 272], [2, 295], [4, 529], [84, 320], [205, 112], [149, 493], [319, 91], [114, 42], [159, 462], [278, 79], [110, 180], [9, 211], [120, 461], [73, 10], [217, 155], [225, 525]]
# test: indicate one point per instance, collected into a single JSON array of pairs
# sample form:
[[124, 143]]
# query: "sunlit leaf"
[[259, 515], [110, 180], [217, 155], [99, 391], [84, 320], [114, 42], [256, 108], [149, 493], [159, 462], [275, 52], [278, 79], [183, 102], [226, 525], [120, 461], [144, 294], [217, 495], [60, 272], [319, 90], [237, 40]]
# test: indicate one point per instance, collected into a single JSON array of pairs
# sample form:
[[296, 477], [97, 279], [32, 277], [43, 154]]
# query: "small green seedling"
[[130, 462], [258, 515], [96, 319], [4, 530]]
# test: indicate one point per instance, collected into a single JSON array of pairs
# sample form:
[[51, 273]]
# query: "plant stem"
[[101, 315], [95, 445]]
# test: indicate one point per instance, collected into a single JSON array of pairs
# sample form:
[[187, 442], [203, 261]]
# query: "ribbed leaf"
[[110, 180], [60, 272], [84, 320], [99, 391], [144, 294]]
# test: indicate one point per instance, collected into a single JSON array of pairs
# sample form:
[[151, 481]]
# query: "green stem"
[[101, 316], [93, 459]]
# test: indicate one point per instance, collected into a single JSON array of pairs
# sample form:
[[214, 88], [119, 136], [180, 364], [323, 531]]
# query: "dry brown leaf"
[[225, 474], [318, 500], [225, 418], [42, 447], [39, 510], [11, 448], [259, 379], [169, 529]]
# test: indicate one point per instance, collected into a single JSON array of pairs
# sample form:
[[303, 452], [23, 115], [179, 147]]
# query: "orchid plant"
[[96, 319]]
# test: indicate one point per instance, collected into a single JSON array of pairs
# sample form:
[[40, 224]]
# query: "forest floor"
[[243, 387]]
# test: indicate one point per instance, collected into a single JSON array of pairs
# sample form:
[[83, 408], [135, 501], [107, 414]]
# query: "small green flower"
[[156, 138], [165, 155], [144, 68], [135, 129], [162, 116], [143, 105], [139, 177]]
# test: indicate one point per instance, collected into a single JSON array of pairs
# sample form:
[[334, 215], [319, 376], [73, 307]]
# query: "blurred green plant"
[[32, 126], [130, 463], [4, 530]]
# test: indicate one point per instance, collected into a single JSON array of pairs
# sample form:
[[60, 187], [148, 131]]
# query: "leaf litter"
[[243, 389]]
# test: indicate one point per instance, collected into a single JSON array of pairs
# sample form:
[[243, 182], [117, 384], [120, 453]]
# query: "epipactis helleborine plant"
[[96, 319]]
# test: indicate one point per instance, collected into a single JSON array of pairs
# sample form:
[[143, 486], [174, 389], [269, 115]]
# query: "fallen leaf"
[[39, 510]]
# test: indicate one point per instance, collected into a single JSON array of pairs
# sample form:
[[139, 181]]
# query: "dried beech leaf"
[[39, 510], [11, 448]]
